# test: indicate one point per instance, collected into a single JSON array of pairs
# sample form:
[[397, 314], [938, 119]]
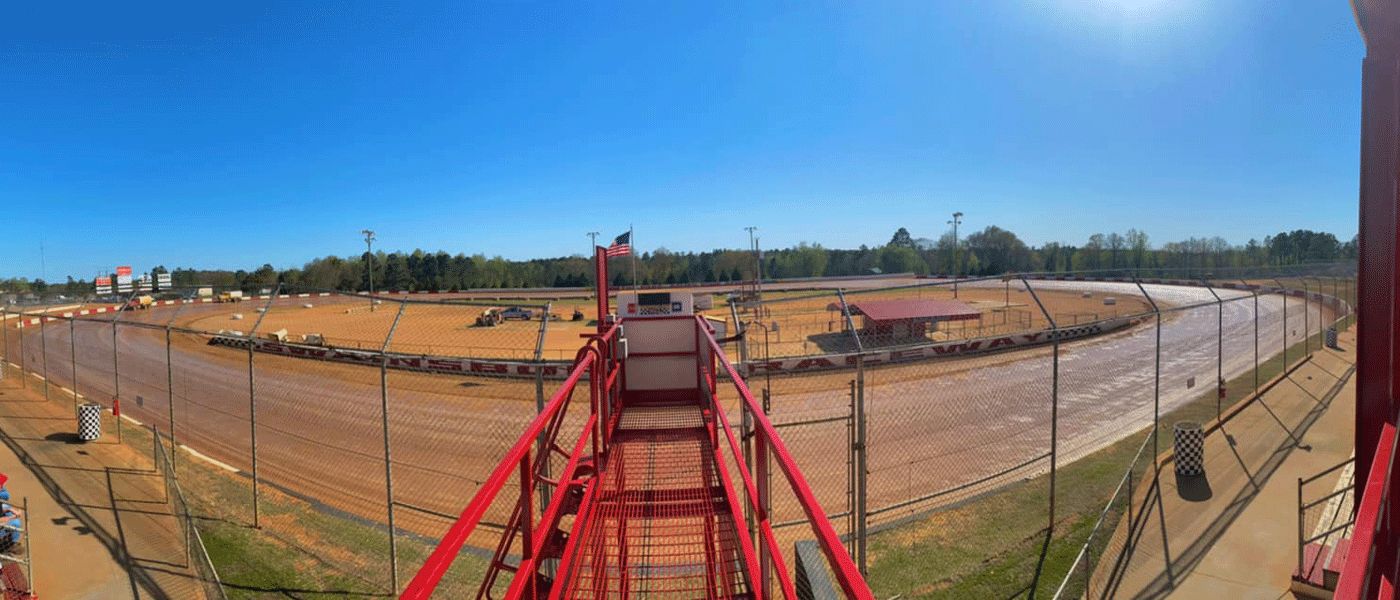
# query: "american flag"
[[622, 246]]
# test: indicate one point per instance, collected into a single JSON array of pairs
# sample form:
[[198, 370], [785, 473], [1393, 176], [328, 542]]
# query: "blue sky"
[[229, 136]]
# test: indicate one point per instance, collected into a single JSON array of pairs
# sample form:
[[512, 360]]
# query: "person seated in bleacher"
[[11, 521]]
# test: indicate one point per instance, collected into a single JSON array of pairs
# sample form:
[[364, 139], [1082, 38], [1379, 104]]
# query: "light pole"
[[592, 247], [757, 265], [957, 264], [369, 267]]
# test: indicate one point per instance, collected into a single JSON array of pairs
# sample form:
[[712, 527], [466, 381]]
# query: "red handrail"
[[432, 571], [1360, 573], [847, 575]]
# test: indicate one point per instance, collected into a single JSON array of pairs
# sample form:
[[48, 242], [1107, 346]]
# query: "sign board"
[[654, 304], [123, 280], [163, 281], [103, 285]]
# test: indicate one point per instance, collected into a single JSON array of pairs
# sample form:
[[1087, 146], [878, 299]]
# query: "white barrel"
[[89, 422], [1190, 448]]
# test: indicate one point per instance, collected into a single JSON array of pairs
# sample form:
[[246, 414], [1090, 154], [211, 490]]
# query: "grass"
[[301, 550], [989, 549]]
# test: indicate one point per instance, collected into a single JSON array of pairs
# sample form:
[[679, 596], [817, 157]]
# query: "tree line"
[[991, 251]]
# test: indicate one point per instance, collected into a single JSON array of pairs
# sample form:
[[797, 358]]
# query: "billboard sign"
[[123, 280], [103, 285]]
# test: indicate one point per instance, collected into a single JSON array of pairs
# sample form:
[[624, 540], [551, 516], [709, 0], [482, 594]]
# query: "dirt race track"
[[934, 425]]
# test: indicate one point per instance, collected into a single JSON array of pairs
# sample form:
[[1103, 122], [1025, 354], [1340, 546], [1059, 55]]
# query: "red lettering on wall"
[[444, 365], [906, 354], [808, 363]]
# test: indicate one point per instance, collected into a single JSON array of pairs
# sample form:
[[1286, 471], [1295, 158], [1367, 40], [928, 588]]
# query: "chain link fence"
[[354, 427], [196, 554]]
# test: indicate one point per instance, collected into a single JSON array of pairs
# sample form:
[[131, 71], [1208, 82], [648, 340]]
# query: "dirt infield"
[[804, 324], [799, 323], [438, 328]]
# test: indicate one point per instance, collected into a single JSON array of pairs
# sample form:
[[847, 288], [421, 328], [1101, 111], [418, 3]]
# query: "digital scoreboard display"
[[654, 299]]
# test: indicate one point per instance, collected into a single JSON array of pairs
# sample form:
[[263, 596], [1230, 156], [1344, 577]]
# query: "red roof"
[[928, 310]]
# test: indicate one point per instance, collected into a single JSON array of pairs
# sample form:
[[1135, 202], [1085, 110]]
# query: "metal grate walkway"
[[660, 524]]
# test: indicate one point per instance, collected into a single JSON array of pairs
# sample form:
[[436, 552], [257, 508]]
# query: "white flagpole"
[[632, 240]]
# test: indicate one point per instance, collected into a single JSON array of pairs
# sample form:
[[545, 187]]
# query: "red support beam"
[[1376, 297], [600, 273]]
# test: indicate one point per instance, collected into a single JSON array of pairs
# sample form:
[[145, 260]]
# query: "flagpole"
[[632, 237]]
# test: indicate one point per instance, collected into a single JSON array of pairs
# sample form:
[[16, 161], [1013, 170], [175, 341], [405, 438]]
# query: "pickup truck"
[[515, 312]]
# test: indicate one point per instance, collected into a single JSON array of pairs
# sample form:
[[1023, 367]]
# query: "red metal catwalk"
[[646, 492]]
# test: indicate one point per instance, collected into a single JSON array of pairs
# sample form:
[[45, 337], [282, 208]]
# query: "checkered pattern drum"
[[1332, 338], [89, 422], [1190, 444]]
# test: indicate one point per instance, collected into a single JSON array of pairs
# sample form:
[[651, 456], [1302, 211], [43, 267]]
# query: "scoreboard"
[[654, 304]]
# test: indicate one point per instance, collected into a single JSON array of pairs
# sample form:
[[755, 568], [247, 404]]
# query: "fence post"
[[1318, 291], [1219, 348], [1284, 292], [743, 341], [541, 446], [23, 365], [5, 345], [388, 455], [170, 380], [44, 351], [170, 393], [1307, 347], [859, 446], [1300, 525], [851, 473], [1337, 302], [1054, 400], [116, 373], [763, 483], [1156, 379], [1255, 292], [73, 360], [253, 405]]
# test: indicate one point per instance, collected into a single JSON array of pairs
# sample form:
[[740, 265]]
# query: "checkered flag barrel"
[[1331, 338], [89, 422], [1190, 444]]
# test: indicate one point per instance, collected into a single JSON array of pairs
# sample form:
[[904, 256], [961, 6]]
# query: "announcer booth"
[[901, 319], [660, 346]]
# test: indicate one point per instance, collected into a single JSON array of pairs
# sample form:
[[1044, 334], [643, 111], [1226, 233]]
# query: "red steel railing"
[[766, 441], [729, 562], [1370, 571], [598, 360]]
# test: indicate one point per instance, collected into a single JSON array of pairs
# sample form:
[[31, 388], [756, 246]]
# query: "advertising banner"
[[123, 280]]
